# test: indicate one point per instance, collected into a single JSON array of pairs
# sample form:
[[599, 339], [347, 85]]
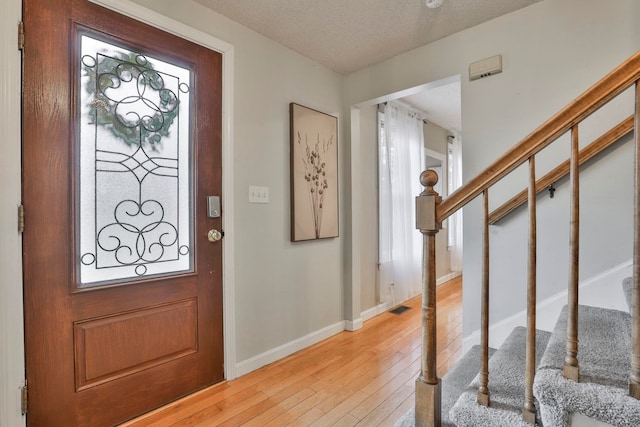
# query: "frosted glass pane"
[[134, 150]]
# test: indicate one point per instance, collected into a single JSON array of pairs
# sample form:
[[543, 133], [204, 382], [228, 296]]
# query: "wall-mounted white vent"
[[486, 67]]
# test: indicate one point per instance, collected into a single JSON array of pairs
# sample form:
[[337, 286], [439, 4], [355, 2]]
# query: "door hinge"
[[20, 218], [21, 35], [24, 399]]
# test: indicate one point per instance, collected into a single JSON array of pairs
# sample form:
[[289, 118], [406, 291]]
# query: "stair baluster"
[[483, 390], [571, 368], [428, 385], [529, 410], [634, 379]]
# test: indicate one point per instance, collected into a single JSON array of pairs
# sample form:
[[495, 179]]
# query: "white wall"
[[11, 325], [552, 51]]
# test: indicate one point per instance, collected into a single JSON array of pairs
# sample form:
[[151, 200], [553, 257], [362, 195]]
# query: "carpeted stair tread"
[[453, 384], [603, 353], [506, 386]]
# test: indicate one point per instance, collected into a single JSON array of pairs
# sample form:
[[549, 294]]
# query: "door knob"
[[214, 235]]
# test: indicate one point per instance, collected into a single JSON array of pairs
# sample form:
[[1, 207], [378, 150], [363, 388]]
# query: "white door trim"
[[11, 312], [140, 13]]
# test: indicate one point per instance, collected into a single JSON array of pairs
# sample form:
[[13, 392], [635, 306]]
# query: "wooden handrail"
[[587, 153], [592, 99]]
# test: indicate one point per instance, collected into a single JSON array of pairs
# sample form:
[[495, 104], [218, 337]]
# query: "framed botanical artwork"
[[314, 174]]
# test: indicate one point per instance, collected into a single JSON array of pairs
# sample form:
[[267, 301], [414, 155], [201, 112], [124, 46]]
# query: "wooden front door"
[[121, 149]]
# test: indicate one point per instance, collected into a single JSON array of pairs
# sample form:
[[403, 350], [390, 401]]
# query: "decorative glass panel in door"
[[135, 204]]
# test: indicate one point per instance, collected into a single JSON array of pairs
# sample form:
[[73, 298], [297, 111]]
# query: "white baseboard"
[[353, 325], [374, 311], [602, 290], [285, 350], [448, 277], [270, 356]]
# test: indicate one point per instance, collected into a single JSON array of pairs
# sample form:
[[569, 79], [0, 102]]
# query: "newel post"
[[428, 385]]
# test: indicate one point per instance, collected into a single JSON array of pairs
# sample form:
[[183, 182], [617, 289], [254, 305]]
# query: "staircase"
[[536, 377], [601, 393]]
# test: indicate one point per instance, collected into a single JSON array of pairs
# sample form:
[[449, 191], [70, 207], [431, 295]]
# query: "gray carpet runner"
[[603, 353], [453, 384], [506, 385]]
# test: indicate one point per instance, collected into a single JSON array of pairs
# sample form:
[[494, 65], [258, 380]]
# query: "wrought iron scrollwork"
[[131, 100]]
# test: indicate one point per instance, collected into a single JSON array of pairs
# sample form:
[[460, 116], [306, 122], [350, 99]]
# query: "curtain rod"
[[420, 113]]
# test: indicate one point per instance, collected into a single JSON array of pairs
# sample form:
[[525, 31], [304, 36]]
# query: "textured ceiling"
[[347, 35]]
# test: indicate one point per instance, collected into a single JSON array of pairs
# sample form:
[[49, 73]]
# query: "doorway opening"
[[438, 107]]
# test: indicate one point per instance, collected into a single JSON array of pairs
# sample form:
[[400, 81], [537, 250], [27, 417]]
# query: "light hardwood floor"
[[363, 378]]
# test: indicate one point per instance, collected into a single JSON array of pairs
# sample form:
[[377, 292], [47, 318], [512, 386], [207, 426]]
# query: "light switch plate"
[[258, 194]]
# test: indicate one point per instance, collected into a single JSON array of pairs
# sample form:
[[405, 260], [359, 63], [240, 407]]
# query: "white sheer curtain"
[[401, 159], [455, 220]]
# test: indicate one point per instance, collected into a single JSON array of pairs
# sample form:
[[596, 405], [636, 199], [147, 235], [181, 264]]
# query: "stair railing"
[[547, 181], [431, 211]]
